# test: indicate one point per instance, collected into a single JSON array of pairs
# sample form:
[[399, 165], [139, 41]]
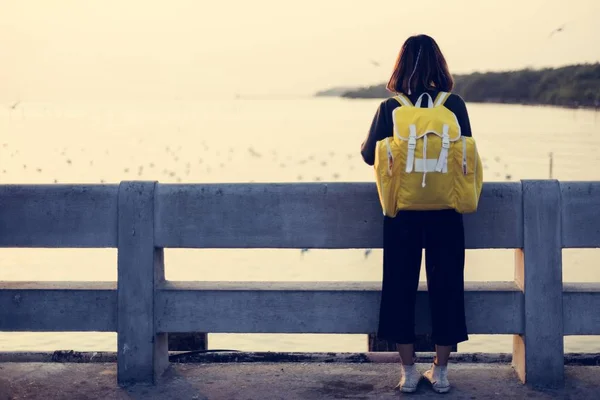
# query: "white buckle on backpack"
[[412, 145], [446, 142], [442, 164]]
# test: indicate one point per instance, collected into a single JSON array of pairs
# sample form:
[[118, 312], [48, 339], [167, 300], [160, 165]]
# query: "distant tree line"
[[571, 86]]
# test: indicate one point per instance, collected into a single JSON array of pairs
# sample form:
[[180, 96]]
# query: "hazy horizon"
[[185, 50]]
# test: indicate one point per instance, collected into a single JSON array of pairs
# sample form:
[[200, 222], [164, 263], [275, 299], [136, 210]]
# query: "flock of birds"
[[177, 166], [251, 153], [174, 155]]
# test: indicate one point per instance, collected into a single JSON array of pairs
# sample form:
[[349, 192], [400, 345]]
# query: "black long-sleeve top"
[[383, 125]]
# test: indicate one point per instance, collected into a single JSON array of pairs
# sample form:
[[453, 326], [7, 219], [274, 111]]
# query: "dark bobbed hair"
[[420, 66]]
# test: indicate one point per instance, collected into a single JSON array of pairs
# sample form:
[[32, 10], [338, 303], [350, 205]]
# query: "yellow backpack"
[[427, 164]]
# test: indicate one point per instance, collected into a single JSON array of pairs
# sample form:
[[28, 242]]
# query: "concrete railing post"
[[142, 355], [538, 355]]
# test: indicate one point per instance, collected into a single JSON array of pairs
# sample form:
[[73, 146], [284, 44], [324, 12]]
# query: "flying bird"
[[12, 107], [375, 63], [253, 152], [557, 30]]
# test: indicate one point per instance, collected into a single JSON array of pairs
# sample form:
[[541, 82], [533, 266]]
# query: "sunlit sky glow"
[[184, 49]]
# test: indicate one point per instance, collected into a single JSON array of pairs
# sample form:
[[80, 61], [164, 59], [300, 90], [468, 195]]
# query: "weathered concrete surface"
[[577, 297], [580, 217], [318, 307], [538, 354], [311, 215], [142, 354], [290, 381], [58, 216], [58, 306]]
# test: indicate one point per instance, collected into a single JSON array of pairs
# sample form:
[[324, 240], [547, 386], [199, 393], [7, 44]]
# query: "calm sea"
[[268, 140]]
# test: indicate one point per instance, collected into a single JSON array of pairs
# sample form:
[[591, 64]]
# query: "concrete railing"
[[538, 218]]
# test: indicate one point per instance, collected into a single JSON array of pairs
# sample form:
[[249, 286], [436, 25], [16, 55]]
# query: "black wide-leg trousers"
[[441, 234]]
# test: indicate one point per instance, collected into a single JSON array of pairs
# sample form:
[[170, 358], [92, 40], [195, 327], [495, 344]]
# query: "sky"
[[75, 50]]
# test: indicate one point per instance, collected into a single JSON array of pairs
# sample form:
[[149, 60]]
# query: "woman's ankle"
[[437, 364]]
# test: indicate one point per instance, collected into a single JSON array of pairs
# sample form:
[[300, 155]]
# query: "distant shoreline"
[[574, 86]]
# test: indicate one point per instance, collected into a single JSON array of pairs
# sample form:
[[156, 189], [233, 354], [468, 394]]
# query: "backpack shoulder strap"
[[441, 99], [403, 100]]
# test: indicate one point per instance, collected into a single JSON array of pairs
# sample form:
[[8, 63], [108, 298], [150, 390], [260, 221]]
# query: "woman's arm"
[[381, 127], [457, 105]]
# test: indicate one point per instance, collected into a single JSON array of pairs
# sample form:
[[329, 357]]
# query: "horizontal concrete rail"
[[91, 306], [581, 308], [58, 216], [317, 307], [580, 214], [328, 215], [58, 306]]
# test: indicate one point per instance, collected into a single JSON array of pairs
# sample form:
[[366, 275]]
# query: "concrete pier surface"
[[300, 380]]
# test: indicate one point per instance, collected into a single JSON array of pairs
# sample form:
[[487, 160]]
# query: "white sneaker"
[[409, 379], [438, 376]]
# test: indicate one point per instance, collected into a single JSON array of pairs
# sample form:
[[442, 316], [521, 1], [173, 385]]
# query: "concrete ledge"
[[580, 217], [58, 216], [58, 306], [310, 215], [318, 307], [578, 297], [232, 356], [353, 358], [59, 356]]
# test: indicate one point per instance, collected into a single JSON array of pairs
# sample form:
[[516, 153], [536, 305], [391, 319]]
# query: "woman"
[[420, 68]]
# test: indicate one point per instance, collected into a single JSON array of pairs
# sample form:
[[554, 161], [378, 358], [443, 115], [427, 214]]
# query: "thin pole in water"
[[551, 164]]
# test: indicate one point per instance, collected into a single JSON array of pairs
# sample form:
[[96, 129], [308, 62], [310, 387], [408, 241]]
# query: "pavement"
[[271, 380]]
